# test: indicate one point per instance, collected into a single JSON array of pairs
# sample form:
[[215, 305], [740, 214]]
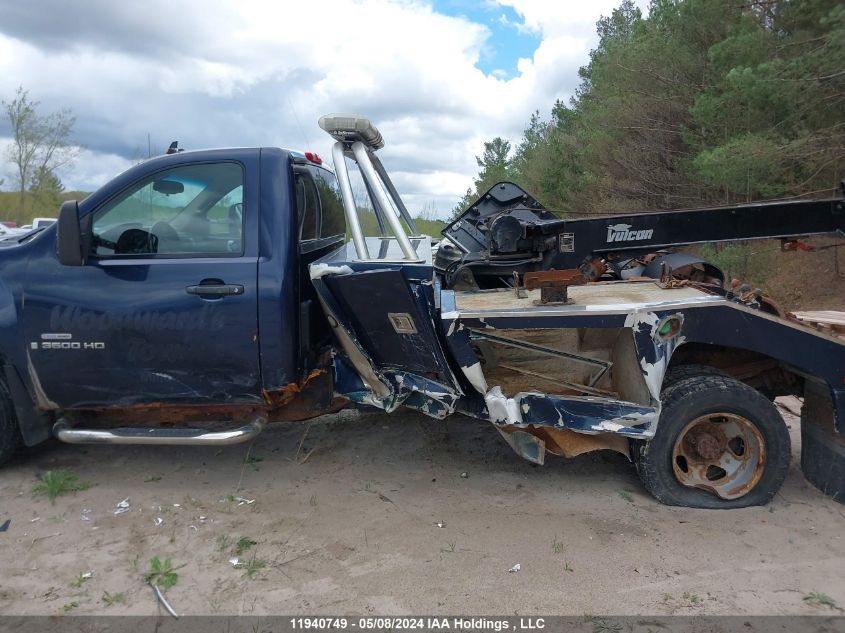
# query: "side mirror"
[[69, 235]]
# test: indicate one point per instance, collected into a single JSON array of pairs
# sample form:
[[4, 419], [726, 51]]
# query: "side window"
[[333, 218], [191, 210], [306, 204]]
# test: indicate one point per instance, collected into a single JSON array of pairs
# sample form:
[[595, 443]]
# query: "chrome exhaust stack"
[[65, 432]]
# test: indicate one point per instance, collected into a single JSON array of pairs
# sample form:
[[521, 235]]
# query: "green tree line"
[[702, 102]]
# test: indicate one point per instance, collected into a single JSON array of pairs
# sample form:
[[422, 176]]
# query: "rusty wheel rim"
[[721, 453]]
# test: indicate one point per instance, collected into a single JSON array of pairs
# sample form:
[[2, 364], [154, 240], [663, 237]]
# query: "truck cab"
[[187, 288]]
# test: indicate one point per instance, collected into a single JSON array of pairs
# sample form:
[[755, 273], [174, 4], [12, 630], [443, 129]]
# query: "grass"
[[601, 625], [244, 543], [557, 546], [253, 566], [152, 478], [56, 483], [162, 574], [567, 566], [111, 599], [313, 500], [449, 549], [253, 460], [250, 566], [692, 598], [627, 496], [817, 599], [80, 580], [70, 606]]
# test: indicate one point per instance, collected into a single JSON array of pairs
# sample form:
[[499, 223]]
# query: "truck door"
[[165, 308]]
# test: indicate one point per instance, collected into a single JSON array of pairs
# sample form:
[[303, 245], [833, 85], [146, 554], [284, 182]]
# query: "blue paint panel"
[[277, 272], [585, 414]]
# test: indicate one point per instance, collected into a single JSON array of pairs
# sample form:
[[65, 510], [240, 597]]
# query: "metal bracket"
[[553, 284]]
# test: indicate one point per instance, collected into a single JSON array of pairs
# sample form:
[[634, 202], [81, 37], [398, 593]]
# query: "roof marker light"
[[349, 128]]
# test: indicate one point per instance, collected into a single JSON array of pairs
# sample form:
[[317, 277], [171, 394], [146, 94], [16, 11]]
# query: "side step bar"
[[65, 432]]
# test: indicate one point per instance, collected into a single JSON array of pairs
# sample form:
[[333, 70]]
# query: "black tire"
[[678, 373], [695, 397], [10, 432]]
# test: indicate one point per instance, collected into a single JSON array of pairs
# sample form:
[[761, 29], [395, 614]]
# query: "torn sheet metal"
[[392, 354], [283, 395], [501, 409], [427, 396], [654, 350], [459, 343], [533, 441], [583, 414], [588, 414], [525, 444], [569, 443]]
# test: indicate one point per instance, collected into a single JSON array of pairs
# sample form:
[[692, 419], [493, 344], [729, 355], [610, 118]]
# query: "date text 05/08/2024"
[[465, 625]]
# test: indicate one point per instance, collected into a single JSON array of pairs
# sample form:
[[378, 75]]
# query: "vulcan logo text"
[[623, 233]]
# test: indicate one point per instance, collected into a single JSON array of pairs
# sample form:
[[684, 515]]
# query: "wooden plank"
[[829, 317]]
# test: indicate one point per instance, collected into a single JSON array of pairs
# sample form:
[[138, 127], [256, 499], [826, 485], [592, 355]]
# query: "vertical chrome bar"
[[363, 159], [397, 200], [349, 201], [376, 209]]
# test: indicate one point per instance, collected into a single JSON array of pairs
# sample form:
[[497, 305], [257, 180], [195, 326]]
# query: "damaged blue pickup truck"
[[200, 296]]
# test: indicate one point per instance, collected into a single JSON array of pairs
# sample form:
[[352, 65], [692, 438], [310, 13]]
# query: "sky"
[[437, 77]]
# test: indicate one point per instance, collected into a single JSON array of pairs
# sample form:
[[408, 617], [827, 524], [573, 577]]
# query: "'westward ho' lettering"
[[68, 319]]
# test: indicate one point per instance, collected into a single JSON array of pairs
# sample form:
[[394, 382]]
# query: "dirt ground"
[[353, 529]]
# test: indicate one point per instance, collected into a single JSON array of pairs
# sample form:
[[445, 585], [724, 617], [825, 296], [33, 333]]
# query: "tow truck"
[[202, 295]]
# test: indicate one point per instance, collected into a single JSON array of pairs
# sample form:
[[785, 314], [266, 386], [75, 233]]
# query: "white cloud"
[[261, 73]]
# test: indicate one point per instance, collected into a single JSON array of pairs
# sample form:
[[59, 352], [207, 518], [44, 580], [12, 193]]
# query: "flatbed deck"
[[626, 295]]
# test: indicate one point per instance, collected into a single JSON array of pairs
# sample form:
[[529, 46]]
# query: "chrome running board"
[[65, 432]]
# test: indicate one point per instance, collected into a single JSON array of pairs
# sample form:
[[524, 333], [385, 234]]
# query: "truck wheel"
[[10, 433], [719, 444], [682, 372]]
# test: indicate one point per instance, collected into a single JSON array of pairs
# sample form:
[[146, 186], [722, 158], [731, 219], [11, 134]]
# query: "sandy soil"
[[352, 530]]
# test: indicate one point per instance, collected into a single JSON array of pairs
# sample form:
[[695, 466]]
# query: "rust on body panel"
[[308, 398]]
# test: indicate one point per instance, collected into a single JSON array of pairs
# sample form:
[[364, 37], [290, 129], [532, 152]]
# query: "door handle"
[[215, 290]]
